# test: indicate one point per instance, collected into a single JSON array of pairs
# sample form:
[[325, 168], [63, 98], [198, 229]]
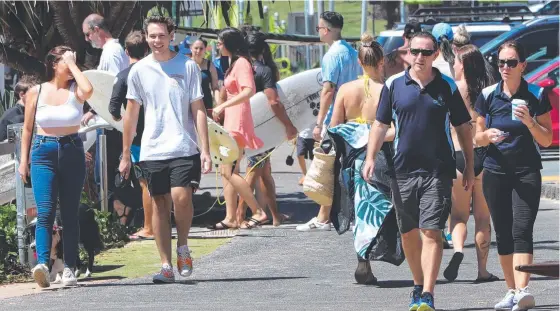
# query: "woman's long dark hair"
[[53, 57], [258, 46], [475, 71], [233, 41]]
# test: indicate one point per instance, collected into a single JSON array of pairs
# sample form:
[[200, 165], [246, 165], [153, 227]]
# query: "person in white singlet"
[[57, 157]]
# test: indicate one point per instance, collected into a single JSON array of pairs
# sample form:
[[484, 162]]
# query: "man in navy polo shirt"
[[422, 102]]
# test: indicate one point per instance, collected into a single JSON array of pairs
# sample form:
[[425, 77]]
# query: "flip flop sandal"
[[222, 225], [136, 237], [251, 223], [491, 278]]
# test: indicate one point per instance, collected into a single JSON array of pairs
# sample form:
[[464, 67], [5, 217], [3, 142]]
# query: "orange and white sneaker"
[[184, 261], [165, 275]]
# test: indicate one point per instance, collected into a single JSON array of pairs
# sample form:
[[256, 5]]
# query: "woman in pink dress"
[[238, 121]]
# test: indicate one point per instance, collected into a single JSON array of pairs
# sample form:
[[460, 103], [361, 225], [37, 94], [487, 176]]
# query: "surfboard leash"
[[246, 174]]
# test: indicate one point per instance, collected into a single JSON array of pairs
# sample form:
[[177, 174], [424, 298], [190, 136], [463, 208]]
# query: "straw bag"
[[318, 184]]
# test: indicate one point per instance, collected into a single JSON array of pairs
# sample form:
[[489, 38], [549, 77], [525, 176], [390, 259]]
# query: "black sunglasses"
[[511, 63], [415, 52]]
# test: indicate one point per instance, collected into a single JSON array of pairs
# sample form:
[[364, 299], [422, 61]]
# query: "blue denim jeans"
[[58, 171]]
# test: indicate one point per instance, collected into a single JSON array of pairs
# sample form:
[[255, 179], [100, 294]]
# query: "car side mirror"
[[547, 83]]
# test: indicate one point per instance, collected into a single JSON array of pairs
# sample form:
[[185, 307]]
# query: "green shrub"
[[10, 269]]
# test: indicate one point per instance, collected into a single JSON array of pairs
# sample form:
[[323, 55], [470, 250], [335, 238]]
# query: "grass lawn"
[[351, 10], [138, 259]]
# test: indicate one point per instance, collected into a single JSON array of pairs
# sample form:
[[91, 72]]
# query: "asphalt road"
[[281, 269]]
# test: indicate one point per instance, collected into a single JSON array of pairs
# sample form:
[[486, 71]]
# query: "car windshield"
[[537, 71], [495, 43]]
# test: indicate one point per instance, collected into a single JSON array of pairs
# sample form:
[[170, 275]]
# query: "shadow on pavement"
[[295, 204]]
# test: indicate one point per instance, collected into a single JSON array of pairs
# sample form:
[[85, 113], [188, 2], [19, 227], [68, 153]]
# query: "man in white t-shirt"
[[167, 86]]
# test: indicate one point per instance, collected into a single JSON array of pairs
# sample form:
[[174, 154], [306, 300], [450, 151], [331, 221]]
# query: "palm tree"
[[29, 29]]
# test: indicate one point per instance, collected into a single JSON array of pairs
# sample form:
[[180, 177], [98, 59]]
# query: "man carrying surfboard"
[[113, 60], [167, 86], [421, 102], [339, 65]]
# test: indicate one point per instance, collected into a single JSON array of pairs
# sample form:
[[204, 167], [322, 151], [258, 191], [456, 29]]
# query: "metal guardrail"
[[23, 196]]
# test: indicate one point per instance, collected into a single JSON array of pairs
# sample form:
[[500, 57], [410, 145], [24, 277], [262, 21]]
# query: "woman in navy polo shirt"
[[514, 118]]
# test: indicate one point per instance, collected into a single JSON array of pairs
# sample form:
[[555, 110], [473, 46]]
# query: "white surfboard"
[[300, 95], [102, 83], [88, 133]]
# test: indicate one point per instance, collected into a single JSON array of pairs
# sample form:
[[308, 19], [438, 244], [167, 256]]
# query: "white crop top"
[[68, 114]]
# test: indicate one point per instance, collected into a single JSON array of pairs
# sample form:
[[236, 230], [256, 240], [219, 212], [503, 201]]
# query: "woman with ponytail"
[[354, 111], [235, 111], [444, 36]]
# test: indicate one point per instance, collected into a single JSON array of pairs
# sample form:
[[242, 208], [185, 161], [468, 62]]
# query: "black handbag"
[[28, 183]]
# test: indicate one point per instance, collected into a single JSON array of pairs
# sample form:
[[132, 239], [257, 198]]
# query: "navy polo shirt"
[[518, 152], [423, 144]]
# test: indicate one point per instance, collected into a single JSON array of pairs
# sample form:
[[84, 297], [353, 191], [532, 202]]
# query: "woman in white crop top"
[[57, 157]]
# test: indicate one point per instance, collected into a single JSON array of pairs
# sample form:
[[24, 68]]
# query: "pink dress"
[[238, 120]]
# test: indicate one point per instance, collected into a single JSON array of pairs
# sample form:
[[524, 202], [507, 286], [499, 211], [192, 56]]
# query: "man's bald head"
[[96, 30]]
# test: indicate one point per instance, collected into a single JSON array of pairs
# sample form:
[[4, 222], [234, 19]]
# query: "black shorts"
[[305, 147], [426, 202], [166, 174]]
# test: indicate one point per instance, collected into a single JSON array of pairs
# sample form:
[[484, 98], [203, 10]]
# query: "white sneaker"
[[313, 224], [165, 275], [68, 277], [506, 303], [41, 275], [523, 300]]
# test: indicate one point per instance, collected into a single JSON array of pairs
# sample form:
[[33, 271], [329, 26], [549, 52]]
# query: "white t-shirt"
[[113, 58], [166, 91]]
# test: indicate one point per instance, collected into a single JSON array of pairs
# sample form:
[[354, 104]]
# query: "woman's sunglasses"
[[415, 52], [511, 63]]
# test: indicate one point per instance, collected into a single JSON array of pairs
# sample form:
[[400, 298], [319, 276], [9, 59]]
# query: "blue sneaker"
[[426, 303], [415, 301]]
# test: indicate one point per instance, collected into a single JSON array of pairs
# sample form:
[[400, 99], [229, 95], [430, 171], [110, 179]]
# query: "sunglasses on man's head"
[[511, 63], [415, 52]]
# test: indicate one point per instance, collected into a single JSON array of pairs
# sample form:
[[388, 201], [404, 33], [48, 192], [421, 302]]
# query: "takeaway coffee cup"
[[514, 104]]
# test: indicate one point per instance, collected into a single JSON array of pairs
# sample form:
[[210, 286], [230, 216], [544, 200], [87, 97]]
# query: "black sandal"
[[223, 226], [251, 223], [490, 278]]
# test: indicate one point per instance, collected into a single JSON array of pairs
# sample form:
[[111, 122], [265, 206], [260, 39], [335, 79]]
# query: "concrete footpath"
[[282, 269]]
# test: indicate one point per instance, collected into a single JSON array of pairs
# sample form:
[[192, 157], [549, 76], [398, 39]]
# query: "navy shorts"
[[305, 147]]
